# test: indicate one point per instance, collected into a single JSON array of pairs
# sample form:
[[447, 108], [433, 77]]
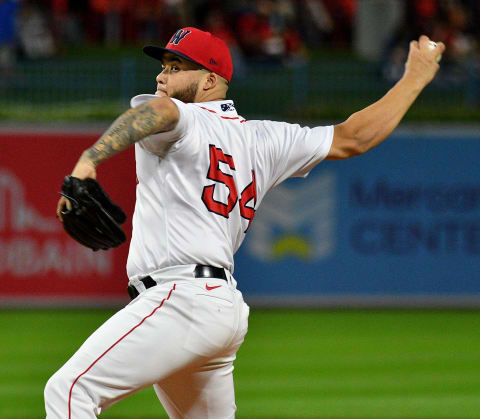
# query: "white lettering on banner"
[[44, 250], [25, 257], [19, 216], [296, 221]]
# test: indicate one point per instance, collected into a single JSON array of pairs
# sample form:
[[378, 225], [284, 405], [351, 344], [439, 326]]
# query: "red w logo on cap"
[[178, 36]]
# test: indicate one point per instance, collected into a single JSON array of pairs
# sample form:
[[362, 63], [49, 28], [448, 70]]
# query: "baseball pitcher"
[[202, 171]]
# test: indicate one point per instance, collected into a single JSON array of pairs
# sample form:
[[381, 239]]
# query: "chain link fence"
[[322, 89]]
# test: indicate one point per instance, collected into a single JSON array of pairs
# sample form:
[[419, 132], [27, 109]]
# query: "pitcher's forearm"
[[132, 126], [369, 127], [376, 122]]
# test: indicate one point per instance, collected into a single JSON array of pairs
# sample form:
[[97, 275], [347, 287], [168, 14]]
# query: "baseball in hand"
[[432, 45]]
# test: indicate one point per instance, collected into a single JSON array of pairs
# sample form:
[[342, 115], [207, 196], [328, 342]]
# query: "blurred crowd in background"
[[279, 32]]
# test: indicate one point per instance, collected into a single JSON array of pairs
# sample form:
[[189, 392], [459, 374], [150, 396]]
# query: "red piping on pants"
[[111, 347]]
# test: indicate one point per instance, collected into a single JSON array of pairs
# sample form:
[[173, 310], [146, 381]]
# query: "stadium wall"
[[397, 227]]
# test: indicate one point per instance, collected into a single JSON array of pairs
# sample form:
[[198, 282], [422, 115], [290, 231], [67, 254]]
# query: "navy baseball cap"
[[200, 47]]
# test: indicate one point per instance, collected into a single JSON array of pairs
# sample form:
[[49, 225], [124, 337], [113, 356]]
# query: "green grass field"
[[294, 364]]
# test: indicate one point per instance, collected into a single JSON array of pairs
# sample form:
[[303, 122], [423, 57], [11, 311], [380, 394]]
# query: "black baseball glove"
[[94, 219]]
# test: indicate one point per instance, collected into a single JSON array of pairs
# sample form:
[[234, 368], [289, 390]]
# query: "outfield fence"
[[397, 227]]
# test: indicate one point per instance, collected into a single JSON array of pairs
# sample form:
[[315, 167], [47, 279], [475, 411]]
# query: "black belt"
[[201, 271]]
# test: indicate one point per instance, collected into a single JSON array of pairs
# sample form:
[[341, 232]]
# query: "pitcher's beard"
[[188, 94]]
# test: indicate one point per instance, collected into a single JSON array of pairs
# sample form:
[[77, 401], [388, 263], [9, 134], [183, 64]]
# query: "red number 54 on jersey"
[[214, 173]]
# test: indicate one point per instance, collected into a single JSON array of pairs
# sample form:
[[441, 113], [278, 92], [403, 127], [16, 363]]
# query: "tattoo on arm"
[[130, 127]]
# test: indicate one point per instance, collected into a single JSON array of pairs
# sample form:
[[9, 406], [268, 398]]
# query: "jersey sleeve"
[[161, 143], [288, 150]]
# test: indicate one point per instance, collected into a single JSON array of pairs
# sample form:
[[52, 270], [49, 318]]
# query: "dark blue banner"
[[403, 219]]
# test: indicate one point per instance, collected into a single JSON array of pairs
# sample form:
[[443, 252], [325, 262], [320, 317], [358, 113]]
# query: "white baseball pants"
[[180, 336]]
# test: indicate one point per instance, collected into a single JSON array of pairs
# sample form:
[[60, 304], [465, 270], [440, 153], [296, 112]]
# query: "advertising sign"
[[402, 220], [398, 223], [37, 259]]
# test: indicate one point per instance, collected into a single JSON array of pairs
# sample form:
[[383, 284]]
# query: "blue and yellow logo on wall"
[[296, 220]]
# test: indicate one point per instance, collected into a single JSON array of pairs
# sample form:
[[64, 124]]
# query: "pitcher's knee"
[[56, 395], [57, 387], [66, 397]]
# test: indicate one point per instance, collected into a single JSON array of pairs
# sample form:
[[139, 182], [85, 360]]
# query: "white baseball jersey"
[[200, 184]]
